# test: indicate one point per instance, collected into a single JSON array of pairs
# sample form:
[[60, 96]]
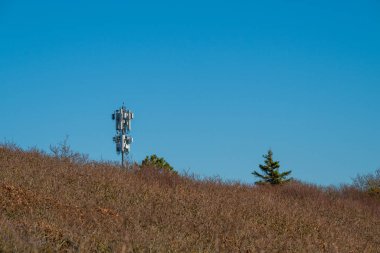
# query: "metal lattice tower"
[[123, 119]]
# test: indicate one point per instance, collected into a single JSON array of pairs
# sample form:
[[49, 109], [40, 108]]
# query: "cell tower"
[[123, 119]]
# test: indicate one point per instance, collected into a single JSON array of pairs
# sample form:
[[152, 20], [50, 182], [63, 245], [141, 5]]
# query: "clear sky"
[[213, 84]]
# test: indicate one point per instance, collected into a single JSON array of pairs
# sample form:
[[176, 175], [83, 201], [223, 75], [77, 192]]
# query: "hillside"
[[49, 204]]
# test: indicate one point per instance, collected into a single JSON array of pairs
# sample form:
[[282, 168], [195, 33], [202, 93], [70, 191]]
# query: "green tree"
[[154, 161], [271, 173]]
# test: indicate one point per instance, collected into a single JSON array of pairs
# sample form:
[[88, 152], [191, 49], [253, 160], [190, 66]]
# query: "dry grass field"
[[54, 205]]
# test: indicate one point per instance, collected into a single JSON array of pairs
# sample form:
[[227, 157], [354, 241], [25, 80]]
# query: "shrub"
[[47, 206], [63, 151], [369, 183]]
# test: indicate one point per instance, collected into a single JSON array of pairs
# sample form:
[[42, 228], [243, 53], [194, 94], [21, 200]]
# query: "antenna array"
[[123, 119]]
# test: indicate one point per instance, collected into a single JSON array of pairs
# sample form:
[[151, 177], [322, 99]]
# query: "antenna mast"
[[123, 141]]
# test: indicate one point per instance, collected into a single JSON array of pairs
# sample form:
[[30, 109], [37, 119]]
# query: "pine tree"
[[271, 174], [157, 162]]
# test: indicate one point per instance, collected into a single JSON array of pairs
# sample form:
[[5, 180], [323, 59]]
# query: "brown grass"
[[49, 204]]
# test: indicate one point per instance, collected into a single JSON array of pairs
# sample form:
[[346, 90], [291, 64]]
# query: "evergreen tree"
[[154, 161], [271, 174]]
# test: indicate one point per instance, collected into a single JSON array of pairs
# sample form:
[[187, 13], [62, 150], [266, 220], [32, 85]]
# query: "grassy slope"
[[52, 205]]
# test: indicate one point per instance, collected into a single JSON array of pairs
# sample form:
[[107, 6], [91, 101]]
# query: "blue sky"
[[213, 84]]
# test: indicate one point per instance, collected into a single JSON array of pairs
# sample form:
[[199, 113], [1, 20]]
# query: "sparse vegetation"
[[48, 204], [63, 151], [271, 174]]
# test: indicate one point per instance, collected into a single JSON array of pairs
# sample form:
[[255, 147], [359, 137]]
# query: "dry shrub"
[[48, 204], [369, 183]]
